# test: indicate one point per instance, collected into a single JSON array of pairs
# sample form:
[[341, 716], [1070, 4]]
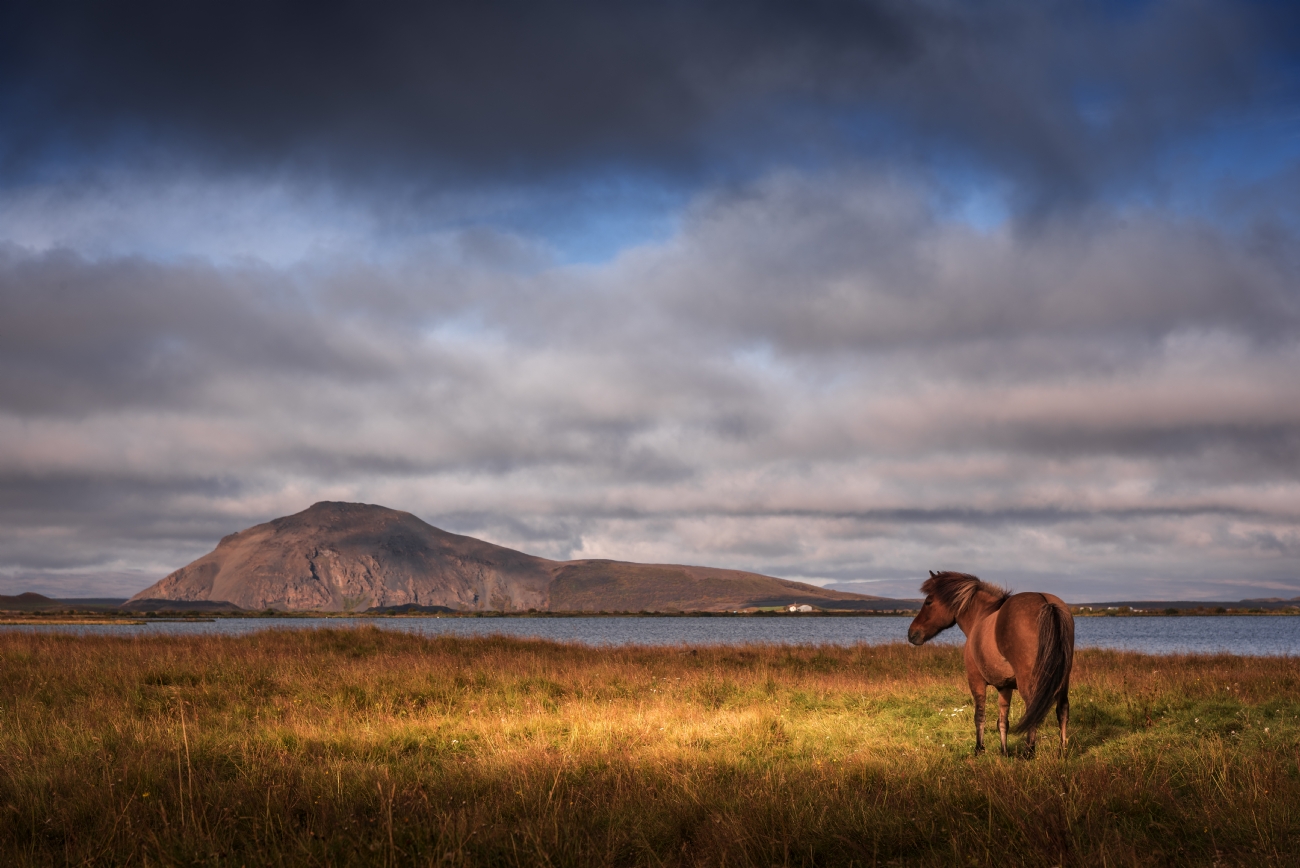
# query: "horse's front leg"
[[1004, 716], [979, 692]]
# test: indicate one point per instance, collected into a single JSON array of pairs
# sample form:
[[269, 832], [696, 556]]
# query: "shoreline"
[[18, 618]]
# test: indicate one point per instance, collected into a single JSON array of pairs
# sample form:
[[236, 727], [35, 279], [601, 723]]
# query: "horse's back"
[[1017, 629]]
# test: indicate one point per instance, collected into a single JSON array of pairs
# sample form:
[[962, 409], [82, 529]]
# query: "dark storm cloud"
[[1065, 97], [490, 84]]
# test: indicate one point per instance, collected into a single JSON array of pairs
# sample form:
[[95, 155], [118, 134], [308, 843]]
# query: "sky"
[[840, 291]]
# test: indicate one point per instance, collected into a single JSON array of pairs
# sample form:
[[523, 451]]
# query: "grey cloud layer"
[[1065, 98], [816, 377]]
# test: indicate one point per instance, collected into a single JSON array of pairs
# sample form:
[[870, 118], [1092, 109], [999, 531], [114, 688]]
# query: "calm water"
[[1235, 634]]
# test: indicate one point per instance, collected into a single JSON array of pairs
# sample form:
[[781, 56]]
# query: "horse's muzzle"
[[916, 637]]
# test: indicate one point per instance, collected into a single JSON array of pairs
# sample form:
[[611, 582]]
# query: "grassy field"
[[360, 746]]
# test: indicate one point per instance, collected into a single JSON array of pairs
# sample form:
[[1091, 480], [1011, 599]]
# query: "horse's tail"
[[1052, 668]]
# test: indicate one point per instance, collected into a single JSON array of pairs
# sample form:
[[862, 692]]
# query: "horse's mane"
[[956, 590]]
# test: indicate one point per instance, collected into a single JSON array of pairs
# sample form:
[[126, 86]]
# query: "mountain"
[[350, 556], [354, 556]]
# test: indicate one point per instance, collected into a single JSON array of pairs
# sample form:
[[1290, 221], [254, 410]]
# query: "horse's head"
[[935, 617]]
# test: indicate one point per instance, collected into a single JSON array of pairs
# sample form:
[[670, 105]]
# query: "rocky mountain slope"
[[353, 556]]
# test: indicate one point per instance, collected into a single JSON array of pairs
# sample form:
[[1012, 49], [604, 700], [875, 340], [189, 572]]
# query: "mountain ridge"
[[336, 556]]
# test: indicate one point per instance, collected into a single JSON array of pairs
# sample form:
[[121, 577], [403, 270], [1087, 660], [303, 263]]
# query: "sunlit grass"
[[367, 746]]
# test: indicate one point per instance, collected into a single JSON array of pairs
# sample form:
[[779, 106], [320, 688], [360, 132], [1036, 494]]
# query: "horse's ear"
[[933, 574]]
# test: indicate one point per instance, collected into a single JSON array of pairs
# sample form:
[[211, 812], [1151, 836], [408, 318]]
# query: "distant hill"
[[32, 602], [617, 586], [1270, 604], [28, 602], [158, 605], [408, 609], [355, 557]]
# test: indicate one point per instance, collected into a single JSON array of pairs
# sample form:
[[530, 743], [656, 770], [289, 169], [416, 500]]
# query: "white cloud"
[[818, 376]]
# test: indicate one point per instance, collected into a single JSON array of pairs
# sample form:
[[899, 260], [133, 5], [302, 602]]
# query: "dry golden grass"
[[360, 746]]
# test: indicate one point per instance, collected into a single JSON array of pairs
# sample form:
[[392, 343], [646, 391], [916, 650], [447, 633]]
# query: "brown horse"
[[1013, 641]]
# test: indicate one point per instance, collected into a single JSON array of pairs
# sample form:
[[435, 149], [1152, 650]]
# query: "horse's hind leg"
[[1063, 716], [1004, 716]]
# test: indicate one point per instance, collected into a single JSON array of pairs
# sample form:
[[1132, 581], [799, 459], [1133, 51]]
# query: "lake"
[[1234, 634]]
